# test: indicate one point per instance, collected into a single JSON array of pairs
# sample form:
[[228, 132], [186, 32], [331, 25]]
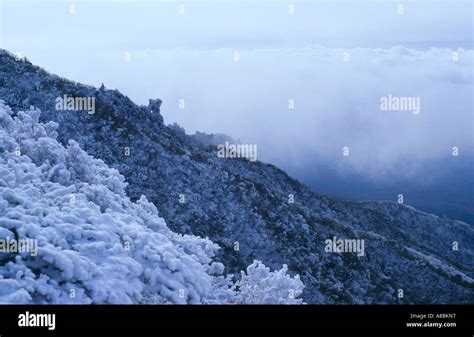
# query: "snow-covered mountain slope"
[[91, 244], [410, 257]]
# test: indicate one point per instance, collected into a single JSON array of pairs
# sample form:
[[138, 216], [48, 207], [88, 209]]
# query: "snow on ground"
[[94, 244]]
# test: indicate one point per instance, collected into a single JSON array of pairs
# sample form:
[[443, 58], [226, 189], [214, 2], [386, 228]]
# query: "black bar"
[[241, 320]]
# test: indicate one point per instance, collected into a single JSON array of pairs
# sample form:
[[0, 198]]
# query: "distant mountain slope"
[[237, 201]]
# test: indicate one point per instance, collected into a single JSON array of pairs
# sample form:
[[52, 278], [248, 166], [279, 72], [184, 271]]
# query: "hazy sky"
[[403, 51], [156, 25]]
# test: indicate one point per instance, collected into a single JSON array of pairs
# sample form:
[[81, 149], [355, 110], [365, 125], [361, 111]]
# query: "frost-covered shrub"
[[94, 244], [260, 285]]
